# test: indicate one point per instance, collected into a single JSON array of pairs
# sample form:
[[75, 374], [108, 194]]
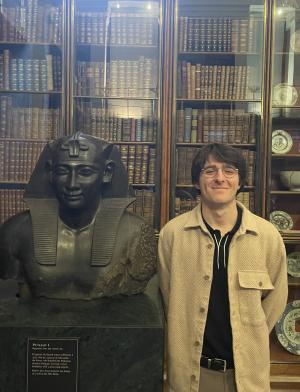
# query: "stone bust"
[[78, 241]]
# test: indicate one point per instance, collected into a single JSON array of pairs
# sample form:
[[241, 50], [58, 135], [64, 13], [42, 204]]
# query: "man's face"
[[218, 183], [77, 180]]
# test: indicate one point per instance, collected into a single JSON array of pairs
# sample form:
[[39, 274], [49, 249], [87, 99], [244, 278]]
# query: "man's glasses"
[[212, 171]]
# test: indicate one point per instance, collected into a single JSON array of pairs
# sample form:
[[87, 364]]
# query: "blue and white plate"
[[288, 328]]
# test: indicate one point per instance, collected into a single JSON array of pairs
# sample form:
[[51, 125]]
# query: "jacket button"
[[202, 310], [193, 377], [206, 277], [197, 343], [260, 284], [209, 246]]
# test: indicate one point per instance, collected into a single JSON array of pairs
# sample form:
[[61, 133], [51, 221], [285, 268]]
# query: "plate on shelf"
[[288, 328], [285, 95], [293, 264], [281, 220], [282, 142], [295, 41]]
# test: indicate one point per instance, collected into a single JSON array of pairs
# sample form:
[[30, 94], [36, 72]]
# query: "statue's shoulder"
[[17, 225], [136, 230], [134, 222]]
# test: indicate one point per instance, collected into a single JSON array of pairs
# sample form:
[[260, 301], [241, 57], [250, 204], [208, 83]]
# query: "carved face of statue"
[[77, 179]]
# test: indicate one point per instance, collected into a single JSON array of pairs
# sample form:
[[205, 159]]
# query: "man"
[[77, 241], [223, 281]]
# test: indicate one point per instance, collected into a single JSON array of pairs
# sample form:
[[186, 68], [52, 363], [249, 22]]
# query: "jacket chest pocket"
[[251, 287]]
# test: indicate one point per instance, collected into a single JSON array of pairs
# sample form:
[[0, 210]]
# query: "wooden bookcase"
[[32, 107], [115, 87], [283, 198], [217, 91], [86, 66]]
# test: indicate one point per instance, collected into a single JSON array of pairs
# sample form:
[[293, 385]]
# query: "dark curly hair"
[[222, 153]]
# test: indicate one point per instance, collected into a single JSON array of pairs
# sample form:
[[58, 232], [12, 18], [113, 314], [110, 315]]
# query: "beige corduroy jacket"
[[257, 289]]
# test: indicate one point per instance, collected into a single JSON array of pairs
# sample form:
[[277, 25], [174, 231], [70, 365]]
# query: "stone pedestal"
[[120, 340]]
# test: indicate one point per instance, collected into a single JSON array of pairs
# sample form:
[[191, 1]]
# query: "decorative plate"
[[281, 220], [282, 142], [288, 328], [293, 264], [295, 41], [285, 95]]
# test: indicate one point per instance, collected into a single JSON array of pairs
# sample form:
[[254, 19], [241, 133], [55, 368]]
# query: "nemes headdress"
[[43, 205], [39, 186]]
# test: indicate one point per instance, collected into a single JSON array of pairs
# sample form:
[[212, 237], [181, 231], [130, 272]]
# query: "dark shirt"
[[218, 336]]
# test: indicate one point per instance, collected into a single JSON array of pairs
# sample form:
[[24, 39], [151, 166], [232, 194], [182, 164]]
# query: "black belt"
[[213, 363]]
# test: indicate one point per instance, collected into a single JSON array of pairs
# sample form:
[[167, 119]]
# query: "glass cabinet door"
[[218, 90], [283, 201], [31, 90], [116, 61]]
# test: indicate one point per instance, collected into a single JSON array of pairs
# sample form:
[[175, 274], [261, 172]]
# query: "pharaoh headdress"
[[43, 205]]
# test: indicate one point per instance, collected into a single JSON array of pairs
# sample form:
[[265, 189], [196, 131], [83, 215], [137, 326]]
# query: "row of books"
[[219, 34], [247, 199], [100, 123], [185, 204], [18, 159], [116, 29], [22, 74], [198, 81], [31, 122], [118, 78], [11, 203], [139, 162], [133, 78], [185, 156], [216, 125], [31, 23], [144, 204], [91, 78]]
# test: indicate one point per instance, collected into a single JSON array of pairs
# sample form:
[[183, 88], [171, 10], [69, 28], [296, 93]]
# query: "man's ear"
[[49, 171], [108, 173]]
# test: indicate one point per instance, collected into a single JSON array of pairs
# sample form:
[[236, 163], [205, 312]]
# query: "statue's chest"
[[72, 275]]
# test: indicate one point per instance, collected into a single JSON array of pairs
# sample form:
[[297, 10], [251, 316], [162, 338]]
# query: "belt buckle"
[[224, 364]]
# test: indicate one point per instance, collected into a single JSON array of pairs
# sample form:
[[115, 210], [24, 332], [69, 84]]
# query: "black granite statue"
[[77, 241]]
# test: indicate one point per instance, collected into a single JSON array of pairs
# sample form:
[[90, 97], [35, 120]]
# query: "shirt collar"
[[234, 228], [248, 222]]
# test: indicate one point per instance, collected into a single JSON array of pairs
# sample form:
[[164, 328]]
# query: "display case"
[[115, 87], [283, 179], [73, 65], [218, 96], [32, 53]]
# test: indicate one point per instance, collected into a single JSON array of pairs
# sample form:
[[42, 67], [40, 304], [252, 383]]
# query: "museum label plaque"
[[52, 364]]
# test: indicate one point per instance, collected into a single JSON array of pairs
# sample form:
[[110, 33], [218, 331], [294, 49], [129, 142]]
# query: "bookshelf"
[[32, 104], [218, 53], [115, 87], [284, 160], [68, 65]]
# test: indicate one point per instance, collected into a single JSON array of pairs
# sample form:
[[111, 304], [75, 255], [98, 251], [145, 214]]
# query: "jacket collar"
[[248, 224]]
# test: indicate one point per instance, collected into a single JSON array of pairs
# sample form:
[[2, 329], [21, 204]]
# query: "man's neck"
[[222, 218]]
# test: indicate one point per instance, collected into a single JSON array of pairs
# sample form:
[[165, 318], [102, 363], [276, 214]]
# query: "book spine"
[[49, 59], [180, 125], [187, 124], [151, 165]]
